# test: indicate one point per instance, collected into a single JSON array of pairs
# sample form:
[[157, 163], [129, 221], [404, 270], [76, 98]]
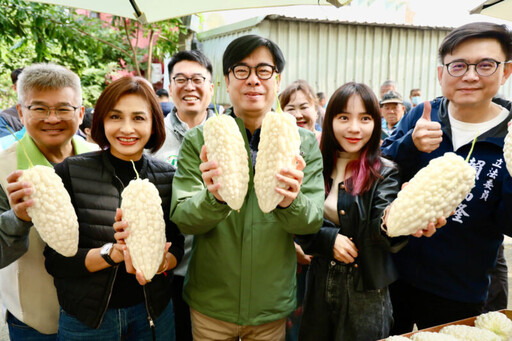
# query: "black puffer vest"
[[96, 193]]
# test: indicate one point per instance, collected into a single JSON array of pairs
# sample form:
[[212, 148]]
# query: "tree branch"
[[92, 36], [150, 55], [134, 52]]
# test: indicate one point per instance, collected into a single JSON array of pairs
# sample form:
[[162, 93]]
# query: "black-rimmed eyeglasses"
[[41, 112], [484, 68], [196, 80], [263, 71]]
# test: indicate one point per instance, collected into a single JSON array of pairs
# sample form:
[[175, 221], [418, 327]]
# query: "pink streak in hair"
[[362, 173]]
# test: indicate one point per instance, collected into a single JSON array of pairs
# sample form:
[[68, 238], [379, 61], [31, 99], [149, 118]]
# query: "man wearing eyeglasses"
[[191, 90], [241, 278], [446, 277], [50, 107]]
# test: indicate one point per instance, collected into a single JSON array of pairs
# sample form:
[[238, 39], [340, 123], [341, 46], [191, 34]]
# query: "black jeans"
[[334, 310], [412, 305], [498, 290]]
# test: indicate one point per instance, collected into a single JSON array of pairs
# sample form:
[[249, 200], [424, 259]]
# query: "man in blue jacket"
[[446, 277]]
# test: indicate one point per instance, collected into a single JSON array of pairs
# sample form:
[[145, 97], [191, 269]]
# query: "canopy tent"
[[149, 11], [501, 9]]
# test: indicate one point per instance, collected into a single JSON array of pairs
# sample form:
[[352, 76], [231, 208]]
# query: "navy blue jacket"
[[455, 262]]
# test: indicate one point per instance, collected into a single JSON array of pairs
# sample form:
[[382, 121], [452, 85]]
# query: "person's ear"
[[81, 114], [20, 114], [440, 73], [226, 79], [507, 70], [278, 83]]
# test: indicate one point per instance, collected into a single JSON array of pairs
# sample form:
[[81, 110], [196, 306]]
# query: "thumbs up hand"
[[427, 135]]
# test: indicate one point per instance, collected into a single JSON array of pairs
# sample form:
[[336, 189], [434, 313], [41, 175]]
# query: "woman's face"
[[128, 127], [353, 127], [302, 109]]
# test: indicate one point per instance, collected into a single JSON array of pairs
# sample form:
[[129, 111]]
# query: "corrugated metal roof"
[[364, 23], [231, 28], [245, 24], [328, 54]]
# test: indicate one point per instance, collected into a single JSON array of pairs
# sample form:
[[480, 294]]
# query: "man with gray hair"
[[392, 109], [390, 85], [50, 107]]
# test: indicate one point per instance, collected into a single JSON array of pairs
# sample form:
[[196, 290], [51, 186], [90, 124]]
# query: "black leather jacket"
[[96, 193], [360, 219]]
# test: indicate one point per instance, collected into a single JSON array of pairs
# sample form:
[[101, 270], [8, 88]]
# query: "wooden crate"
[[468, 322]]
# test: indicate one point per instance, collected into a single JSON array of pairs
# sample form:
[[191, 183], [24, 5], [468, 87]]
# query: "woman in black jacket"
[[347, 288], [100, 297]]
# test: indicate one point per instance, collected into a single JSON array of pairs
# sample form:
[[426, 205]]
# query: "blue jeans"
[[19, 331], [119, 324]]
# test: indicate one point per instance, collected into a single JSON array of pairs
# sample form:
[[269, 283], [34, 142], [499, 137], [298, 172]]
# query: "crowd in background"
[[320, 266]]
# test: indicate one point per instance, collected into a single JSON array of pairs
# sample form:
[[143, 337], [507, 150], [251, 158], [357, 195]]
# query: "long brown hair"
[[365, 170]]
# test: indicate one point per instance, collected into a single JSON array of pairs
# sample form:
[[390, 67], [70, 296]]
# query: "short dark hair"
[[15, 74], [193, 56], [87, 119], [413, 90], [109, 98], [243, 46], [320, 95], [477, 30], [162, 93]]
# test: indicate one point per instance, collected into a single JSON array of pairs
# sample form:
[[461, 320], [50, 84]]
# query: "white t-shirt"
[[463, 132]]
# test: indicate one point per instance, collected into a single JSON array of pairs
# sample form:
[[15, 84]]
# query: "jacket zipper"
[[115, 269], [150, 319], [109, 295]]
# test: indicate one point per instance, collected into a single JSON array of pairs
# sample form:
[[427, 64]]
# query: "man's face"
[[386, 88], [190, 98], [471, 89], [392, 112], [415, 93], [52, 132], [163, 99], [253, 97]]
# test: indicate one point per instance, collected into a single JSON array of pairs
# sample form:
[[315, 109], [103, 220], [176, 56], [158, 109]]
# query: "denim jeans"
[[334, 310], [19, 331], [127, 324]]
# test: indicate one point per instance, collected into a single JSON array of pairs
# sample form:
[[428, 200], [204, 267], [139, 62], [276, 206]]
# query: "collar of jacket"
[[36, 157], [110, 167], [495, 135], [178, 126]]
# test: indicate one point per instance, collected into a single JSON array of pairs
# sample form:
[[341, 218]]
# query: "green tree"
[[93, 48]]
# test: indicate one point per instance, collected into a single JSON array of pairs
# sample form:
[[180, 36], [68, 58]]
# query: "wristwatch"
[[105, 253]]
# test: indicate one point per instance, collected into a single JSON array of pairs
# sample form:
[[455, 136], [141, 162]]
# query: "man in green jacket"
[[241, 277]]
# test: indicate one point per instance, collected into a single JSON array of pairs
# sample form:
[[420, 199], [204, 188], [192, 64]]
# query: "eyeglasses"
[[41, 112], [484, 68], [196, 80], [263, 71]]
